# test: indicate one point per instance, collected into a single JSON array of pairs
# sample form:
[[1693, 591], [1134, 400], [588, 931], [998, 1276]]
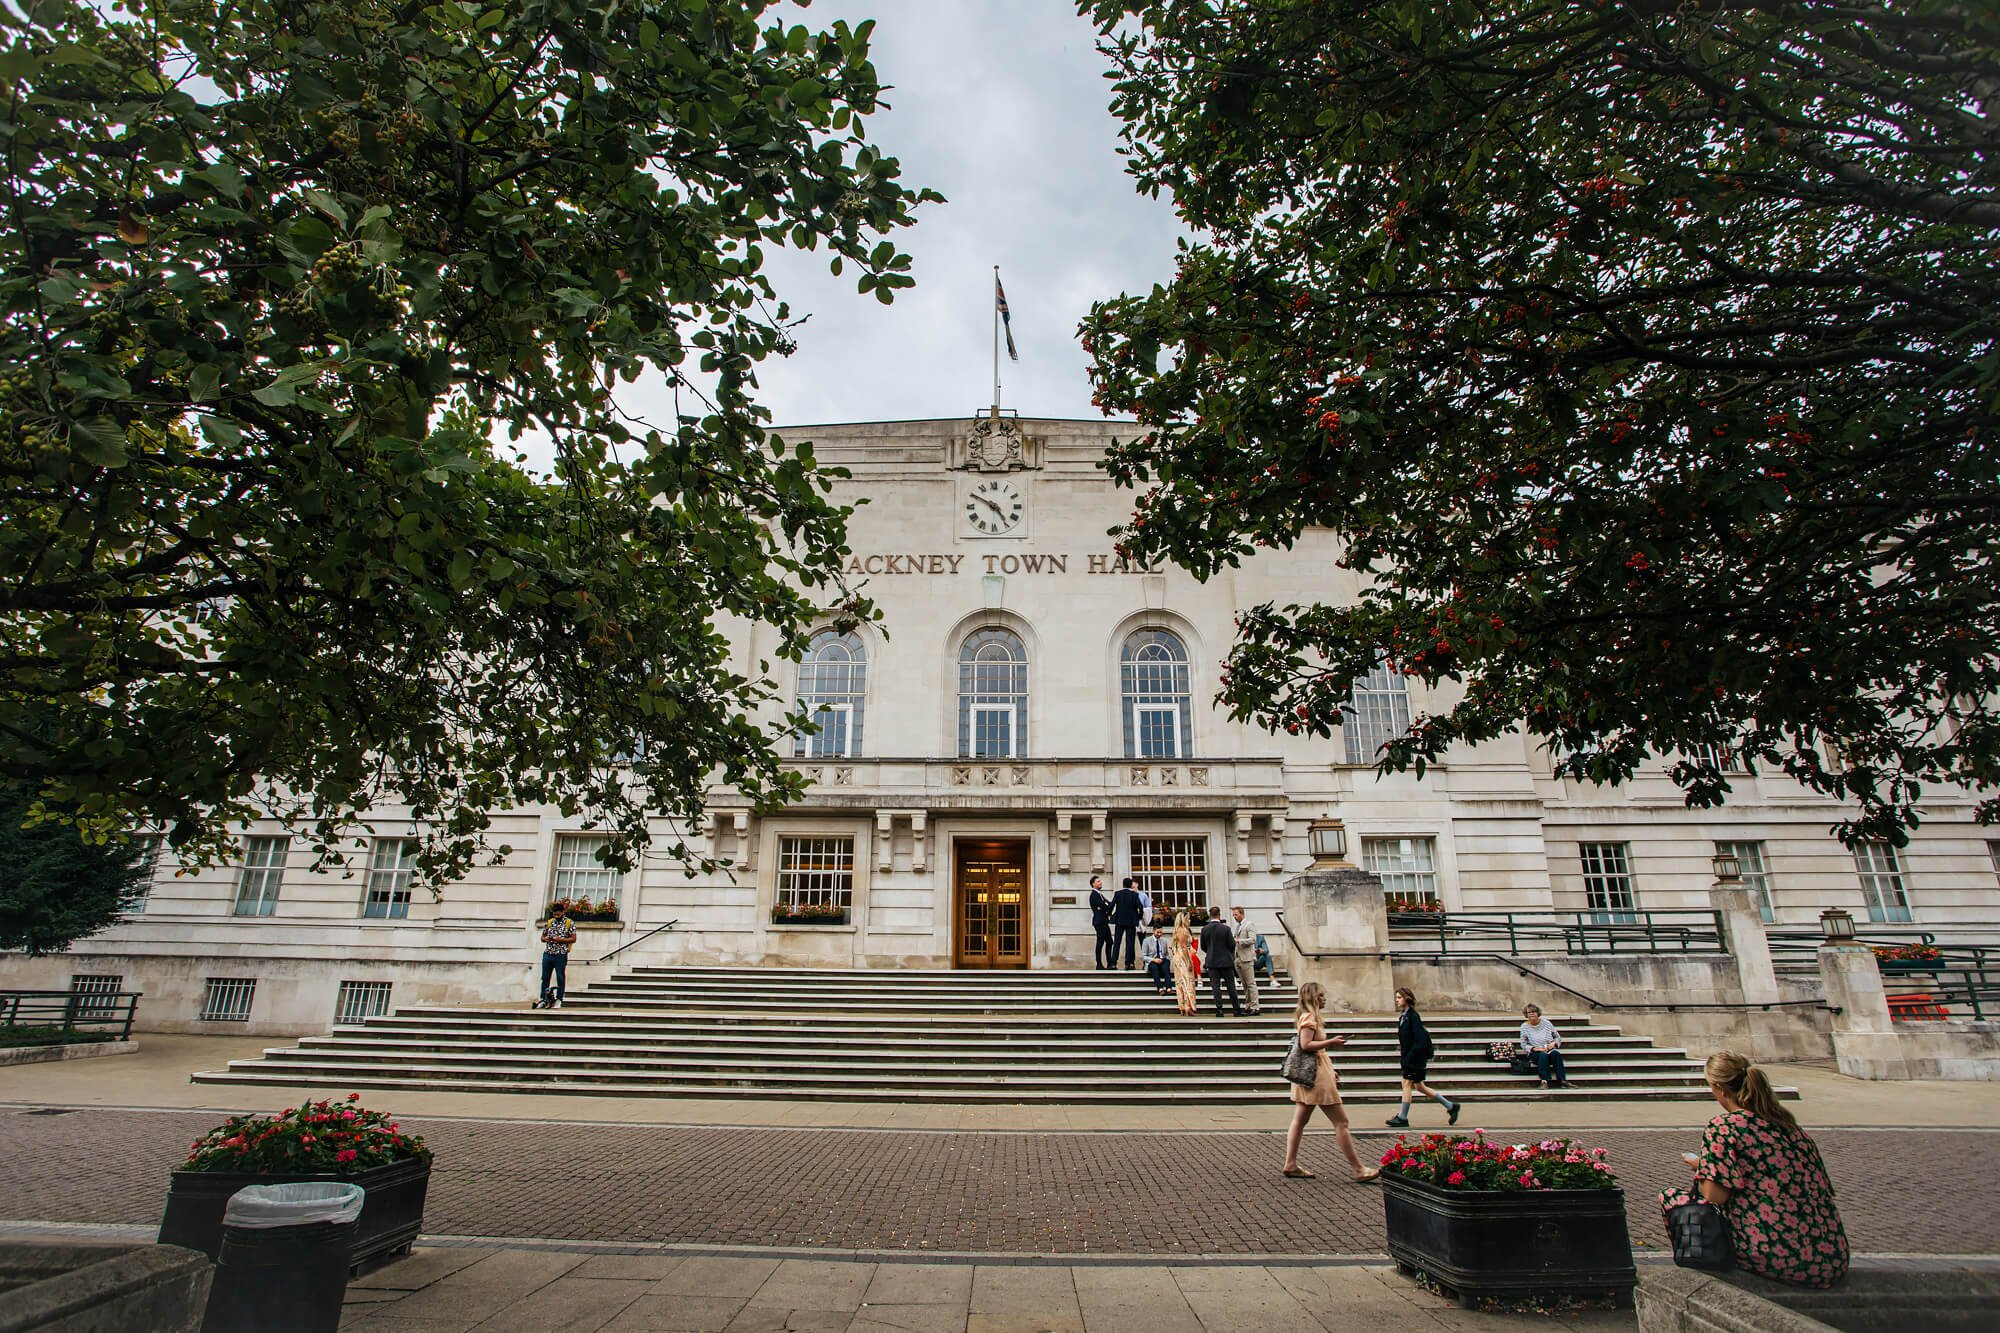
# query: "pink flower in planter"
[[345, 1155]]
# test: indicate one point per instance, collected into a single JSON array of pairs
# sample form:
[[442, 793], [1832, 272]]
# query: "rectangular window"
[[992, 731], [1993, 855], [391, 861], [227, 999], [579, 874], [1607, 880], [816, 872], [149, 845], [1173, 870], [1378, 713], [1407, 867], [263, 870], [1881, 881], [1756, 874], [832, 739], [1719, 758], [359, 1000], [99, 984], [1159, 730]]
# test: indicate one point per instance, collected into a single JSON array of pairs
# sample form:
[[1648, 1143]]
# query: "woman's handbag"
[[1521, 1064], [1500, 1052], [1700, 1235], [1301, 1065]]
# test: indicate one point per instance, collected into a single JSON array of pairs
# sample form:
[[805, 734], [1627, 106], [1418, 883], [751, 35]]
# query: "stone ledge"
[[1871, 1300], [160, 1288], [78, 1050]]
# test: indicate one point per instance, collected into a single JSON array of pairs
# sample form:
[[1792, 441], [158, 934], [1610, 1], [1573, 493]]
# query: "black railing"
[[1797, 952], [629, 943], [1943, 992], [1568, 934], [52, 1017]]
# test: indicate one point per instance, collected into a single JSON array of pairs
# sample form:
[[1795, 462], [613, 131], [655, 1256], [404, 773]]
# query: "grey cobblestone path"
[[881, 1190]]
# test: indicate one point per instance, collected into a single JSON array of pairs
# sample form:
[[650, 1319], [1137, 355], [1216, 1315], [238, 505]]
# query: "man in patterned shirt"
[[557, 936]]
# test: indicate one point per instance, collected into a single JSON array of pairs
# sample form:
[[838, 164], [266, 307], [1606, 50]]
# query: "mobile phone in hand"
[[1689, 1158]]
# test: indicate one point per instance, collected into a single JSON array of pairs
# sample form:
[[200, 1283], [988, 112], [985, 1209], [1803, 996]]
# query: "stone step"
[[1256, 1079]]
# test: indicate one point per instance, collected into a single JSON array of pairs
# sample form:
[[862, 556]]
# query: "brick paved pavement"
[[1926, 1192]]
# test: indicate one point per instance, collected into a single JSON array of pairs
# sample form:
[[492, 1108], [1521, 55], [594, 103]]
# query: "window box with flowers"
[[585, 911], [323, 1140], [1490, 1220], [1907, 957], [810, 914], [1414, 911]]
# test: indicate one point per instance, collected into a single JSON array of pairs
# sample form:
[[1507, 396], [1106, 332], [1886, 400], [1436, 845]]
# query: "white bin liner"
[[294, 1205]]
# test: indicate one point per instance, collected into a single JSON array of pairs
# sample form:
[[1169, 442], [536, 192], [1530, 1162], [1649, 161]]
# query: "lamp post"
[[1837, 925], [1728, 868], [1327, 840]]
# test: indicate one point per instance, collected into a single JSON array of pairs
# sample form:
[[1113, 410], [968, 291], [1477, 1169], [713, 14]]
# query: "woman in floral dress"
[[1183, 958], [1766, 1175]]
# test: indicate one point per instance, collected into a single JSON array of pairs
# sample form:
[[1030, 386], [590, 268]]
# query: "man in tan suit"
[[1245, 957]]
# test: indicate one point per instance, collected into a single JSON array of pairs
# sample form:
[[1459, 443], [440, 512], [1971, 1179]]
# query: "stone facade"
[[972, 532]]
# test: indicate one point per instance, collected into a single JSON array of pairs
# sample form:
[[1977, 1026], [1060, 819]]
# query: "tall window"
[[1881, 881], [833, 684], [391, 861], [263, 870], [1607, 880], [1379, 712], [1153, 677], [148, 845], [1173, 870], [579, 874], [358, 1001], [227, 999], [816, 872], [1756, 874], [1993, 855], [993, 696], [1407, 867]]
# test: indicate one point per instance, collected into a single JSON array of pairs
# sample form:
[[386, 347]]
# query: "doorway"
[[990, 902]]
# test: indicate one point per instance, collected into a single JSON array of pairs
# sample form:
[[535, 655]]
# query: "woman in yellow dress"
[[1183, 956], [1324, 1092]]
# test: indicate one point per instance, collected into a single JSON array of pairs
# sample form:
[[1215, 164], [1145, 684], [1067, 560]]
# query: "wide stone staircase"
[[933, 1036]]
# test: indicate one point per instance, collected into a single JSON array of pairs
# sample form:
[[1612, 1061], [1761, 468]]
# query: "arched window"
[[1379, 713], [1153, 678], [993, 696], [833, 683]]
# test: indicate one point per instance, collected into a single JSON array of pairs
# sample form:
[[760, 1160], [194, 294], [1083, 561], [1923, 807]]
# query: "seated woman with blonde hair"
[[1766, 1175]]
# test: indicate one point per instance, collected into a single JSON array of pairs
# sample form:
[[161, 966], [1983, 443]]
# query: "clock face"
[[993, 507]]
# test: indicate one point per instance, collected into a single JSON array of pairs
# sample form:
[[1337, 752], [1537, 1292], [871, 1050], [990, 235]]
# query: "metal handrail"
[[1973, 989], [1547, 980], [1579, 932], [70, 1010], [592, 962]]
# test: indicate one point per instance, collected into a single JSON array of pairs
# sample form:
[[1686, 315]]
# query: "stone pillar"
[[1865, 1044], [1743, 935], [1337, 910]]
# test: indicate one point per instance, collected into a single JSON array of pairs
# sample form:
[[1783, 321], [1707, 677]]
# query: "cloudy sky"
[[1000, 105]]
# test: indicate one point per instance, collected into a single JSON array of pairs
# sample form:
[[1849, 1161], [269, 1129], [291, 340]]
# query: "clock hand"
[[990, 504]]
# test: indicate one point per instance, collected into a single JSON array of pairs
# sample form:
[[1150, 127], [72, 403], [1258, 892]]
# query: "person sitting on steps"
[[1541, 1043]]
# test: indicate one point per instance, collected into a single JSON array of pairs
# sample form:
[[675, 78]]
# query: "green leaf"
[[99, 441], [202, 383]]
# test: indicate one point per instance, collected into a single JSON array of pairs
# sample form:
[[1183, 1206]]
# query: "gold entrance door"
[[990, 909]]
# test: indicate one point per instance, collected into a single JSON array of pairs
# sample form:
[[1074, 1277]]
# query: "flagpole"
[[996, 342]]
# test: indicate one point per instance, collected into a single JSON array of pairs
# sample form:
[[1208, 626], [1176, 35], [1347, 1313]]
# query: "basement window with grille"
[[98, 984], [227, 999], [360, 1000]]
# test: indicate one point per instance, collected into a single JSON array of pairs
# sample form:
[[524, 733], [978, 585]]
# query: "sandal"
[[1300, 1173], [1368, 1175]]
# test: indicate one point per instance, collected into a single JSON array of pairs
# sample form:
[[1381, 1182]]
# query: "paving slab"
[[805, 1284], [919, 1284], [676, 1312]]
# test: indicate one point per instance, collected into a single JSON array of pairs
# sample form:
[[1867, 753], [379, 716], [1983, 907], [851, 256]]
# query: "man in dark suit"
[[1125, 913], [1100, 921], [1218, 950]]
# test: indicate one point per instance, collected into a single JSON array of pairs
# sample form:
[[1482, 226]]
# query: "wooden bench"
[[1915, 1008]]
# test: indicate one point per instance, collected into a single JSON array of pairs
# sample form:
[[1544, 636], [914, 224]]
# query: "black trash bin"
[[283, 1263]]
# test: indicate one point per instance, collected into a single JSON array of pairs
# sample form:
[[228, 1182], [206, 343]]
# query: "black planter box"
[[391, 1214], [1510, 1245]]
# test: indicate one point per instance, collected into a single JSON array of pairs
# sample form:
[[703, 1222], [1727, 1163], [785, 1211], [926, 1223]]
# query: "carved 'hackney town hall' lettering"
[[1038, 563]]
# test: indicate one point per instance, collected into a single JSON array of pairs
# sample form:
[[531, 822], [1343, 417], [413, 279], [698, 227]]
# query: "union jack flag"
[[1006, 321]]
